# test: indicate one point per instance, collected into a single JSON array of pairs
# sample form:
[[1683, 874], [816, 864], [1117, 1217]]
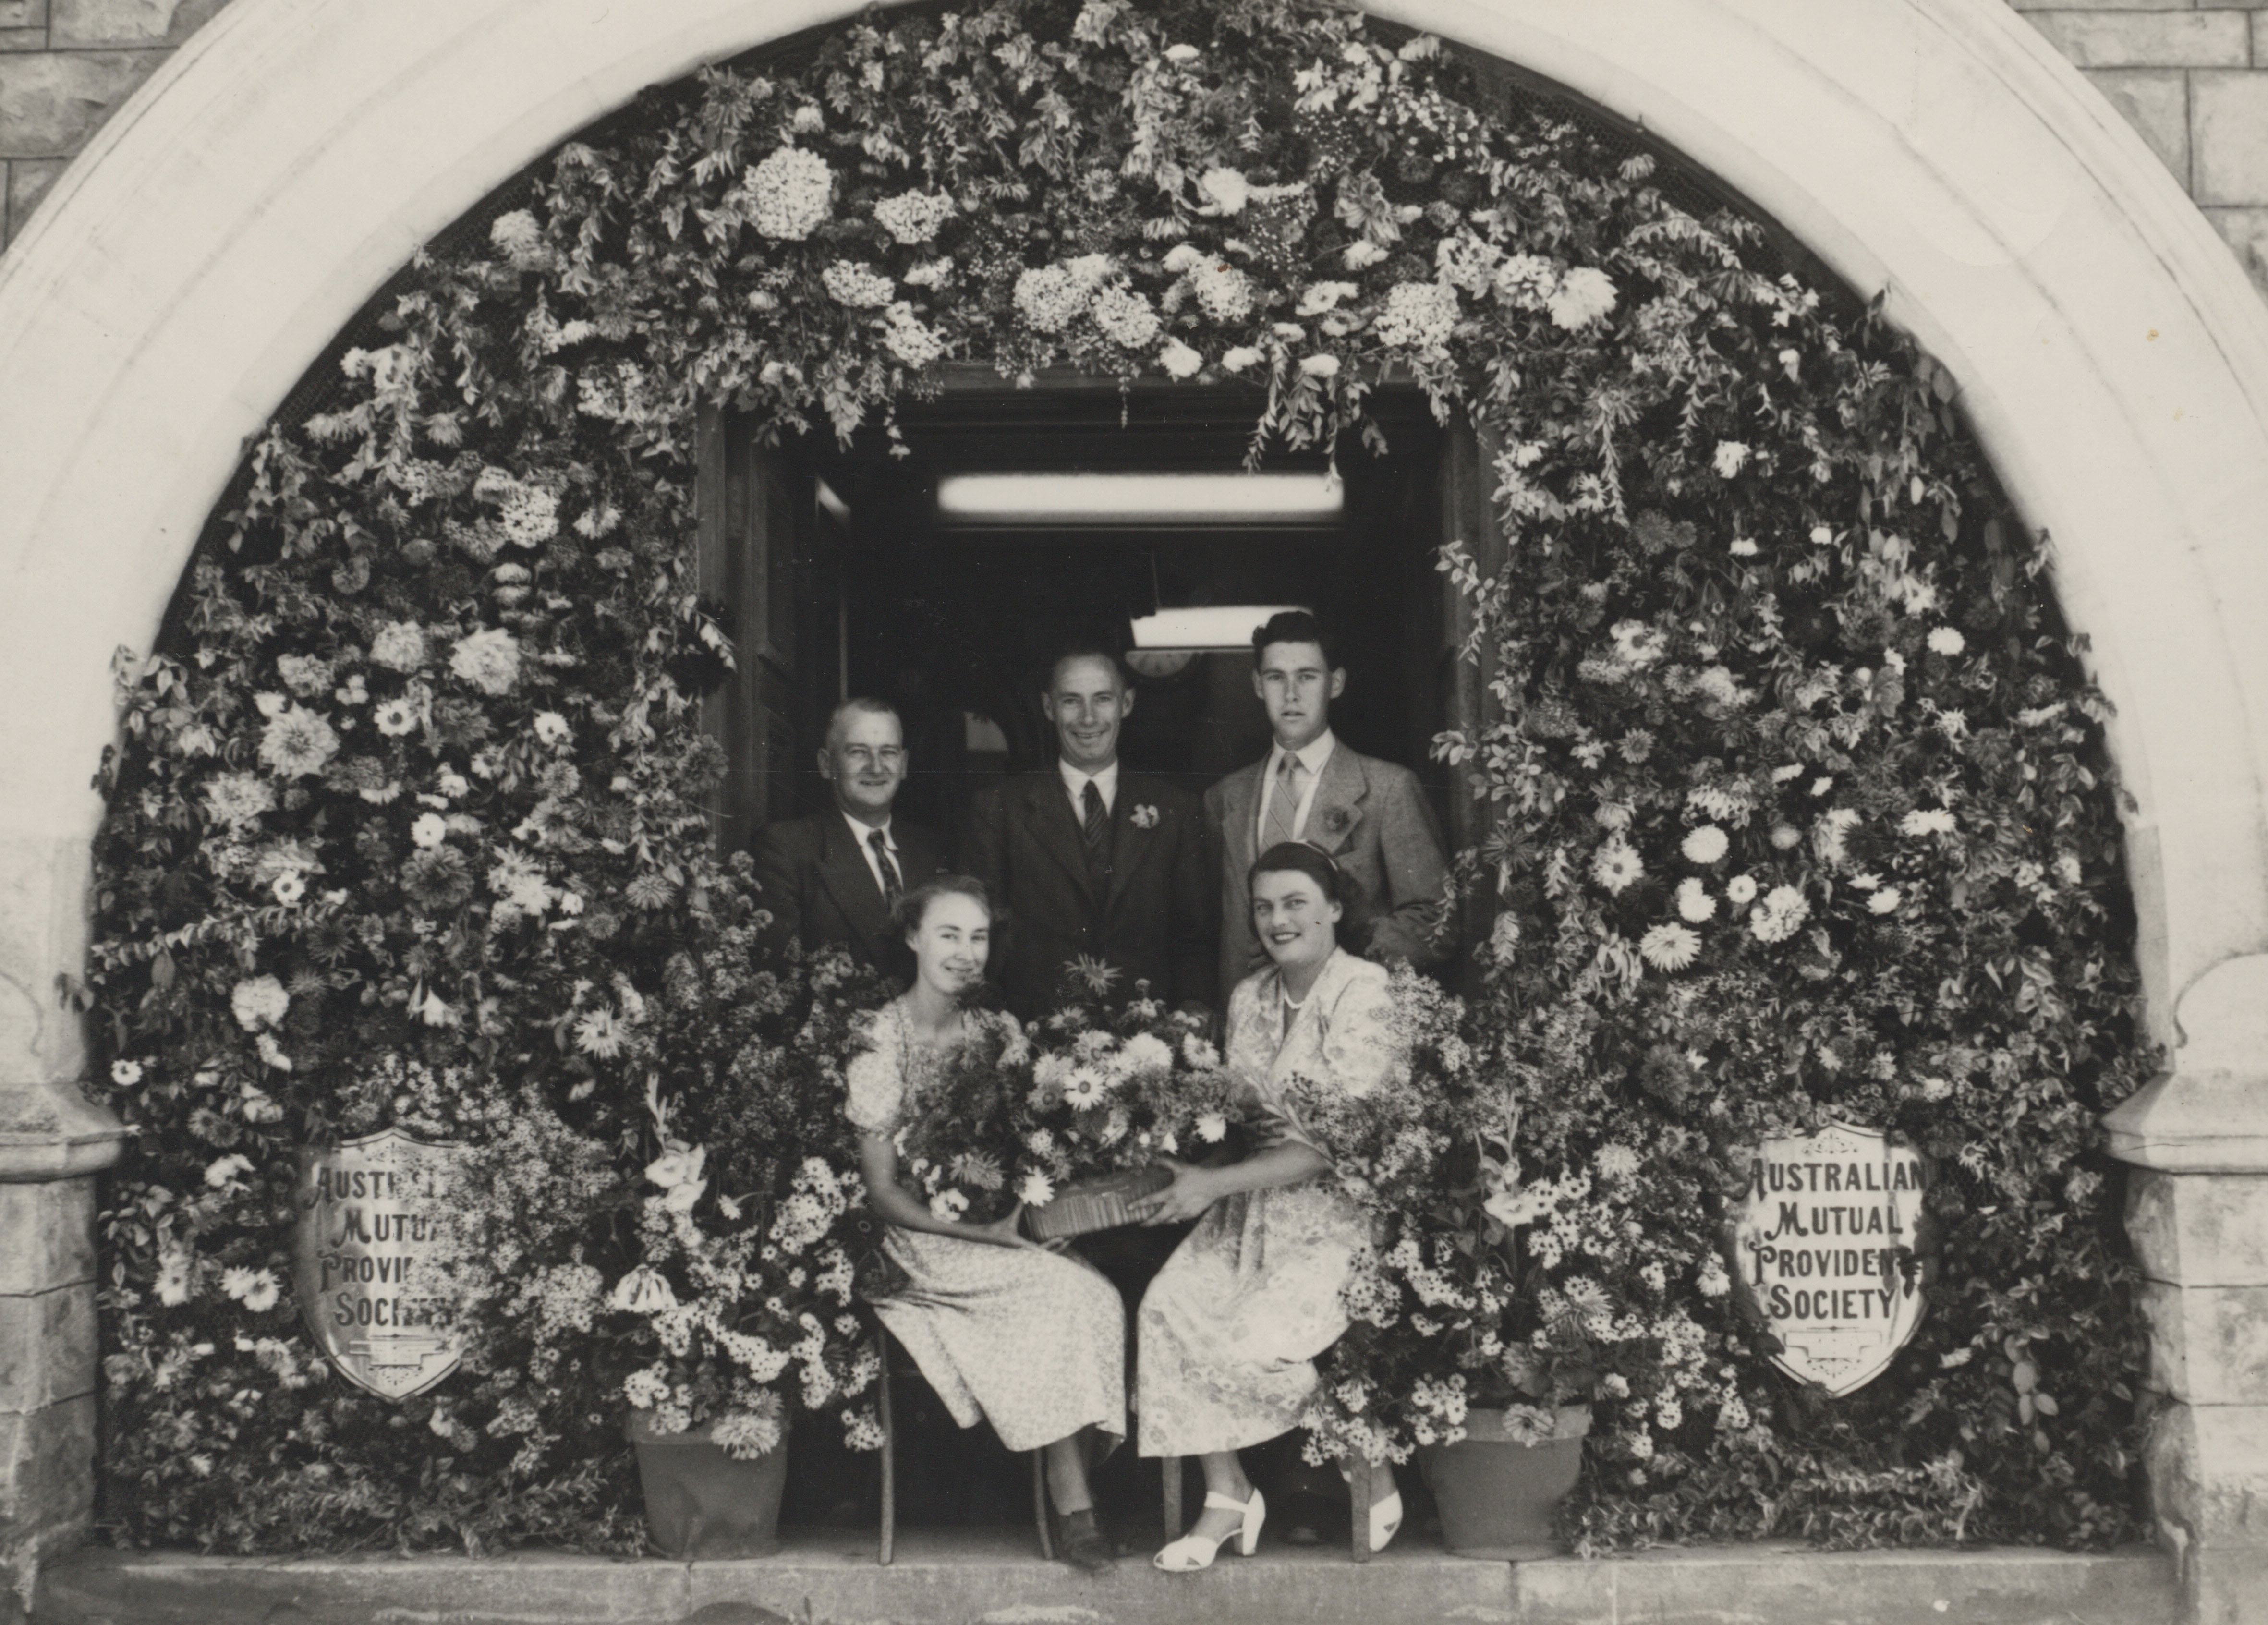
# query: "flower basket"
[[701, 1503], [1498, 1492], [1094, 1204]]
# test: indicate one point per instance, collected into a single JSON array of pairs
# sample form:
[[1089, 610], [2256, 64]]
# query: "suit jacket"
[[817, 886], [1376, 823], [1150, 918]]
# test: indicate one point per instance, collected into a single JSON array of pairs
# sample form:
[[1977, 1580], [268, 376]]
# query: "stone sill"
[[987, 1577]]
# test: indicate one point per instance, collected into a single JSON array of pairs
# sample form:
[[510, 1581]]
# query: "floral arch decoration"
[[1799, 802]]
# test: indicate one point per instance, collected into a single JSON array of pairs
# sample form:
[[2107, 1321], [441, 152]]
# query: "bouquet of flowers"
[[1113, 1091], [961, 1149]]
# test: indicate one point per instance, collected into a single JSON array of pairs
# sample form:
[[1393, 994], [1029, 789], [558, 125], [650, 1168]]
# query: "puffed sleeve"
[[1356, 1051], [876, 1085]]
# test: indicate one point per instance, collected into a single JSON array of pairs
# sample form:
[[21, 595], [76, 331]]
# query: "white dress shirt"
[[861, 833], [1076, 782], [1312, 756]]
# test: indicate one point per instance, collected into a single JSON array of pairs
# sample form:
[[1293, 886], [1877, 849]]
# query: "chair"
[[887, 1544]]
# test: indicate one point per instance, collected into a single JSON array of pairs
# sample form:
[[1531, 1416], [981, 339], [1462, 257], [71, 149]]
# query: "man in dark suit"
[[1086, 861], [1369, 815], [833, 877]]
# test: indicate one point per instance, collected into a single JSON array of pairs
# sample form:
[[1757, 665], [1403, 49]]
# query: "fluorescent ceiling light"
[[832, 503], [1145, 499], [1212, 629]]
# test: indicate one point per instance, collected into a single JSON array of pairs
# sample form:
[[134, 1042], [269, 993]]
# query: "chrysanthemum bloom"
[[1885, 902], [1731, 457], [1616, 866], [516, 236], [488, 659], [1584, 295], [1225, 191], [1694, 902], [1320, 366], [1706, 845], [1669, 947], [1786, 837], [1926, 821], [1179, 360], [259, 1002], [1036, 1189], [552, 729], [298, 742], [237, 798], [303, 674], [1780, 915], [1947, 640]]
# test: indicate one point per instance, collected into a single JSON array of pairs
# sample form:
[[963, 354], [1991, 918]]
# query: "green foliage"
[[406, 829]]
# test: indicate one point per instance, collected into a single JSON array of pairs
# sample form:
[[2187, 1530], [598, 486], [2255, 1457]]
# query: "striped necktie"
[[1095, 829], [894, 886], [1283, 804]]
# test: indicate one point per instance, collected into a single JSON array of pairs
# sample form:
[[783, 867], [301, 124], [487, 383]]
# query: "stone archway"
[[2110, 355]]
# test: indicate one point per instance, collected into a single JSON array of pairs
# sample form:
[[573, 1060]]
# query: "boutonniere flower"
[[1145, 817], [1336, 821]]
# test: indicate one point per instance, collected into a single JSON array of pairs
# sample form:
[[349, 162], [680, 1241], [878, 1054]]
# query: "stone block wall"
[[2191, 77]]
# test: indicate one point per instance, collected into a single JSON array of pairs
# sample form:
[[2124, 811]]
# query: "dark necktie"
[[1096, 831], [893, 886]]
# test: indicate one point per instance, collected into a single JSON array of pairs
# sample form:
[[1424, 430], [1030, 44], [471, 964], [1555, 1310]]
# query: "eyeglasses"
[[861, 756]]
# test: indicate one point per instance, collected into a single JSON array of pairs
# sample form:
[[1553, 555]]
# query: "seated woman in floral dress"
[[1227, 1337], [1002, 1327]]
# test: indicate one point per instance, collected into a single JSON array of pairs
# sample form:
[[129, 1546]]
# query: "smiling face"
[[952, 943], [1293, 919], [865, 762], [1296, 686], [1086, 702]]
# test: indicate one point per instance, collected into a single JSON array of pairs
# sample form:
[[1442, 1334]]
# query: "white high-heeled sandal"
[[1193, 1552], [1385, 1516]]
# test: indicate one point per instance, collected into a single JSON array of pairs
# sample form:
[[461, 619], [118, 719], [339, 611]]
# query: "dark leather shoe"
[[1083, 1545]]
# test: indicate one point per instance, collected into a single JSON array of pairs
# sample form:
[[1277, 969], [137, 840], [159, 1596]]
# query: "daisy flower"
[[1616, 866], [1669, 947]]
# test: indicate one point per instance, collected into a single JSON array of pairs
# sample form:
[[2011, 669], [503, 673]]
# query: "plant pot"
[[702, 1503], [1498, 1495]]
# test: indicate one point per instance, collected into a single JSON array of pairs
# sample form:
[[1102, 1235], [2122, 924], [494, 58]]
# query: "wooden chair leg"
[[889, 1540], [1170, 1469], [1358, 1505], [1040, 1503]]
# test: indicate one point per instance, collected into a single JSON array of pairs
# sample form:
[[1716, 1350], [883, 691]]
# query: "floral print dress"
[[1035, 1341], [1228, 1333]]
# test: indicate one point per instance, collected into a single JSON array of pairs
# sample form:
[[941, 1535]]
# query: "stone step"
[[962, 1576]]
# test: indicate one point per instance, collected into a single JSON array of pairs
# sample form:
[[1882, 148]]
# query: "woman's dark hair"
[[908, 912], [1299, 858]]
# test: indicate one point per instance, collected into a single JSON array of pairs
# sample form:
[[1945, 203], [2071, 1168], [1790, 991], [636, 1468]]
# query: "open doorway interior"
[[860, 572]]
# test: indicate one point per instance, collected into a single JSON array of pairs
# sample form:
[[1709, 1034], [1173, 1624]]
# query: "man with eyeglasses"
[[834, 876]]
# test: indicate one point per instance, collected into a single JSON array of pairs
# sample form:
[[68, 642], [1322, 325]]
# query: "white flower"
[[1225, 291], [1712, 1281], [259, 1003], [288, 887], [807, 120], [1884, 901], [224, 1172], [909, 338], [930, 273], [1821, 535], [1947, 640], [553, 729], [1615, 865], [1780, 915], [644, 1291], [948, 1205], [1324, 295], [1051, 299], [1584, 295], [395, 717], [1706, 845], [1669, 947], [1181, 55], [1084, 1087], [1935, 1089], [1742, 548], [1739, 891], [271, 705], [1320, 366], [126, 1074], [1126, 317], [597, 1033], [1693, 899], [255, 1289], [1036, 1189], [789, 193], [1786, 837], [1732, 456], [237, 798], [429, 830], [1211, 1128], [1225, 191], [270, 1052], [1238, 358], [1821, 786], [297, 742], [1926, 821], [914, 217], [2067, 868], [1362, 253], [1179, 360], [1418, 316], [488, 659], [858, 286]]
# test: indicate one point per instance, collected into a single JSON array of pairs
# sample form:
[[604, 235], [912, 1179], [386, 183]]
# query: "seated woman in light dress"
[[1002, 1327], [1227, 1337]]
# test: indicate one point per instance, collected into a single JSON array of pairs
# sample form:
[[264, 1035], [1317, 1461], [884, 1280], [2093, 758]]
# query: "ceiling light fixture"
[[1140, 499], [1211, 629]]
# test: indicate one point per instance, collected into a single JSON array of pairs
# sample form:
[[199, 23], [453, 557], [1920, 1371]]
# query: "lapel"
[[1129, 842], [1048, 815], [1337, 812], [1240, 810], [843, 871]]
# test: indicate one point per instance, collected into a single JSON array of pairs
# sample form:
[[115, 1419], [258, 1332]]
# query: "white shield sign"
[[1828, 1240], [371, 1212]]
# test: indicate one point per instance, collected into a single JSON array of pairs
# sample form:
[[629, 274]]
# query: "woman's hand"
[[1191, 1194]]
